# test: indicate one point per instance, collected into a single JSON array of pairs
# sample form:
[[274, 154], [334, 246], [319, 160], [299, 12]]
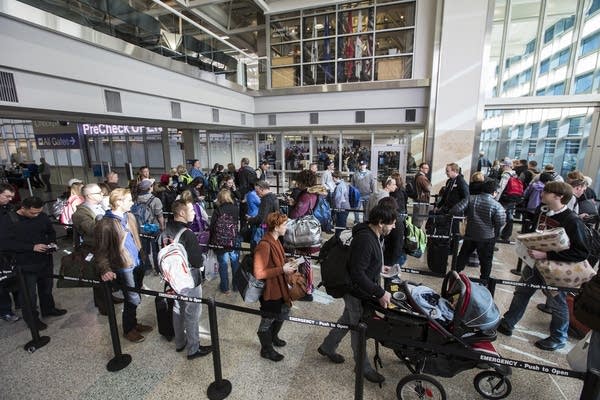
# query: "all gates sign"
[[57, 141]]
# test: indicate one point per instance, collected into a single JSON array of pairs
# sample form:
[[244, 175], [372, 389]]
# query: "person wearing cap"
[[75, 198], [145, 196], [364, 181]]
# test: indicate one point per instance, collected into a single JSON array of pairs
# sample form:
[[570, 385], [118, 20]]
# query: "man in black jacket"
[[32, 238], [7, 193], [246, 178], [365, 265], [186, 315], [556, 196], [455, 190]]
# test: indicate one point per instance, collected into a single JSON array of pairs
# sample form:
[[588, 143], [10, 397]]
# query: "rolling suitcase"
[[438, 248], [164, 315]]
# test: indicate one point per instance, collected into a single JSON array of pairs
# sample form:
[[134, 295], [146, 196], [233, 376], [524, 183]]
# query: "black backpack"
[[410, 188], [333, 258]]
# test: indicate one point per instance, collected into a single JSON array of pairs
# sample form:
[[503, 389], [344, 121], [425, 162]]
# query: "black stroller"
[[414, 335]]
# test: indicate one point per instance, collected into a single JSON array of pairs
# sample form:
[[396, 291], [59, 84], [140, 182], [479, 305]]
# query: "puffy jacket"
[[533, 195], [485, 216]]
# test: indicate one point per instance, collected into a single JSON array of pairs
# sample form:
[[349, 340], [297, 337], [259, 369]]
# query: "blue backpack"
[[145, 217], [353, 196], [322, 212]]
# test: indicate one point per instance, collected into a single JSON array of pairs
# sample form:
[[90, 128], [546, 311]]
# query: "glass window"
[[175, 148], [285, 31], [395, 16], [535, 129], [549, 148], [243, 146], [532, 147], [491, 68], [296, 151], [522, 30], [544, 66], [590, 44], [393, 68], [583, 83], [394, 42], [552, 129], [138, 152], [119, 150], [571, 154], [154, 146], [220, 148], [269, 148], [575, 126]]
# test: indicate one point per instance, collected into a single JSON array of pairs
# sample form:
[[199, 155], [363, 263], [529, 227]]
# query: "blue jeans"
[[131, 277], [340, 221], [559, 325], [150, 247], [222, 257]]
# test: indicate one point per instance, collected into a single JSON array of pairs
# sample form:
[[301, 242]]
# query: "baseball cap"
[[362, 162], [73, 181], [145, 184], [507, 162]]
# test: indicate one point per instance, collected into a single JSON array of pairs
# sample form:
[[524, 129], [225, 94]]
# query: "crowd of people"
[[123, 229]]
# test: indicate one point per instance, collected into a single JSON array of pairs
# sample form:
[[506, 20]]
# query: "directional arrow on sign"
[[72, 139]]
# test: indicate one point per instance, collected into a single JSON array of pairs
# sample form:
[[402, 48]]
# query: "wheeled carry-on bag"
[[438, 248], [164, 315]]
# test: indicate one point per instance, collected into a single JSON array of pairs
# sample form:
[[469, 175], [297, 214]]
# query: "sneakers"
[[202, 351], [504, 329], [134, 336], [333, 357], [308, 297], [10, 317], [143, 328], [543, 307], [549, 344], [505, 241]]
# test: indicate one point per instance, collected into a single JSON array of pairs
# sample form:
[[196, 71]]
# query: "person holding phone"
[[269, 264], [33, 238]]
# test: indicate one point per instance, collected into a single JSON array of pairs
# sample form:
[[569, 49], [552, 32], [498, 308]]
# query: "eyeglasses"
[[89, 194]]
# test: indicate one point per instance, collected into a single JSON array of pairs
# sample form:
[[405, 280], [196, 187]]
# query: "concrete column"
[[457, 99], [191, 145]]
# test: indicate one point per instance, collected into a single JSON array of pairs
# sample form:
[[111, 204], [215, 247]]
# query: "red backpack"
[[514, 187]]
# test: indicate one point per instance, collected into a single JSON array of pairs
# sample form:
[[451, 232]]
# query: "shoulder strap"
[[178, 236], [152, 197]]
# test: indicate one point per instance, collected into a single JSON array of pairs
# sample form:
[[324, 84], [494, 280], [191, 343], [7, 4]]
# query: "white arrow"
[[72, 140]]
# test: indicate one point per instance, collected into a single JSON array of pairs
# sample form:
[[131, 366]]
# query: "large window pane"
[[243, 146], [220, 148], [520, 47]]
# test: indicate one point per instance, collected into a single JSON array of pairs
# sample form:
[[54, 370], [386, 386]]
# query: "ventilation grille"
[[215, 115], [175, 110], [410, 115], [272, 119], [243, 119], [359, 117], [314, 118], [113, 101], [8, 90]]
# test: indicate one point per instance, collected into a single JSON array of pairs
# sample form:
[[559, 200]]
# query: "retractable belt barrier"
[[221, 388]]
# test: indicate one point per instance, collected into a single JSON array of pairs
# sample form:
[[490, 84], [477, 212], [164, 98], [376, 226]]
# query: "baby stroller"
[[420, 341]]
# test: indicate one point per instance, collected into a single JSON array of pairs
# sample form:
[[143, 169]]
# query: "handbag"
[[565, 273], [577, 357], [297, 286], [77, 265], [249, 287], [303, 232], [554, 239]]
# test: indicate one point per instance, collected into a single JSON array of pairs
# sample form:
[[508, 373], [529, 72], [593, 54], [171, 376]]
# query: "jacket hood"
[[361, 229], [318, 189], [476, 187]]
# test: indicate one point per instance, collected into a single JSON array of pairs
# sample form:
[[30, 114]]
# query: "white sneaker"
[[10, 317]]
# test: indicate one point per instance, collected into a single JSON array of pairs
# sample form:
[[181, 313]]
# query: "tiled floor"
[[72, 365]]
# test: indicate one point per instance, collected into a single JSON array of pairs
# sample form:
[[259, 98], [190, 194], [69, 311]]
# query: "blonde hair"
[[181, 170], [187, 196], [224, 196], [76, 188], [478, 177], [116, 195]]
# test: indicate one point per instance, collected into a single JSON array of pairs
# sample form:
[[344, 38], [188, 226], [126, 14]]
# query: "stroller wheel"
[[492, 385], [420, 387]]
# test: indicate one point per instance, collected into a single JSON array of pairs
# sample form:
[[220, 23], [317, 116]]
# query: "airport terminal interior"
[[95, 87]]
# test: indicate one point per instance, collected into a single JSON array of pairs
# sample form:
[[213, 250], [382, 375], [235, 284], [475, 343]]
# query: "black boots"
[[266, 346], [275, 328]]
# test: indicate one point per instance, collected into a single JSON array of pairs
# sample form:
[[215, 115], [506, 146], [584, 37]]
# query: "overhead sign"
[[57, 141], [53, 127], [105, 129]]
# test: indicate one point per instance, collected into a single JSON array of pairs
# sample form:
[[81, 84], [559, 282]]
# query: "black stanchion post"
[[120, 360], [517, 271], [37, 341], [220, 388], [455, 243], [359, 381], [491, 285], [591, 385]]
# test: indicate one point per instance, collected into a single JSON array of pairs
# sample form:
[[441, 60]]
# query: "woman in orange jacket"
[[269, 265]]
